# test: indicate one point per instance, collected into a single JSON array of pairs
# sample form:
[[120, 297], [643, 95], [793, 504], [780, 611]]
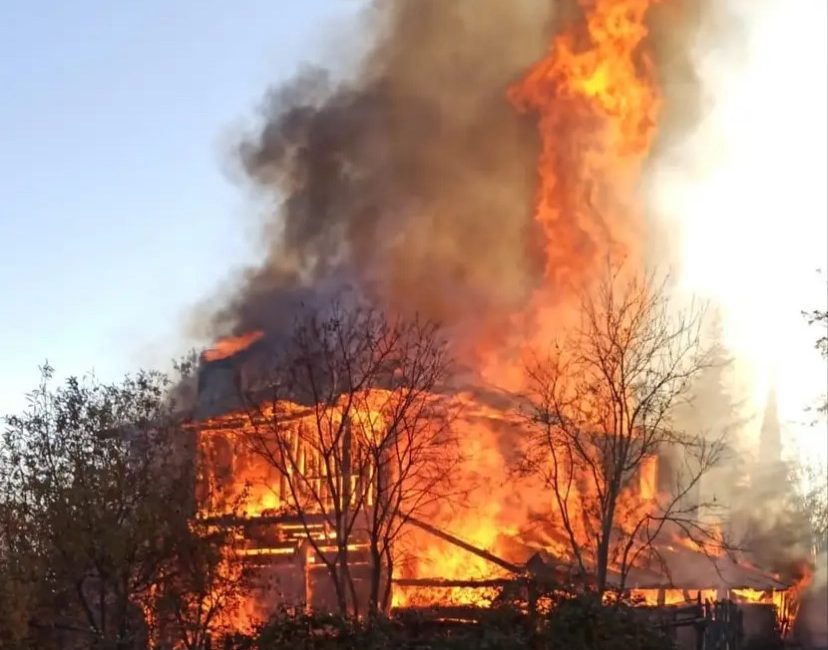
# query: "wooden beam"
[[479, 552], [441, 583]]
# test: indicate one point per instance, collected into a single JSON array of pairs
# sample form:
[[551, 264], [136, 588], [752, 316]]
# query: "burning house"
[[463, 558], [409, 186]]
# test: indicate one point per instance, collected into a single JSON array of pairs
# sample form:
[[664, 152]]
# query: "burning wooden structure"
[[597, 104], [463, 560]]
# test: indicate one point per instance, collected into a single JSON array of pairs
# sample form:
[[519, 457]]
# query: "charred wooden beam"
[[446, 614], [479, 552], [441, 583], [312, 520]]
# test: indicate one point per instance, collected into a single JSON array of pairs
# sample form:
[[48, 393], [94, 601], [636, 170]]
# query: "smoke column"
[[742, 194], [412, 185]]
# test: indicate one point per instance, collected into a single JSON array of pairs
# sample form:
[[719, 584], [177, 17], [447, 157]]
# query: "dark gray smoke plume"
[[413, 184]]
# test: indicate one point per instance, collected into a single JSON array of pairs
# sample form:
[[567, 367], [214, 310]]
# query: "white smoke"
[[746, 191]]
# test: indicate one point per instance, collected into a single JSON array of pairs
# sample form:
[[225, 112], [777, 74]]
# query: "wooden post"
[[304, 552]]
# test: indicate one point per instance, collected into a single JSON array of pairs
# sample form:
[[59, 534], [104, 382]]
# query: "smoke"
[[413, 183], [683, 39], [733, 183]]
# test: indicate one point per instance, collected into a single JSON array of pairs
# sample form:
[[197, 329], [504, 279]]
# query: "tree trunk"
[[602, 559], [376, 572], [389, 574], [380, 505], [344, 519], [339, 591]]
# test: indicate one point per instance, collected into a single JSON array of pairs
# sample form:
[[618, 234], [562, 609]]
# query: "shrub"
[[584, 623], [577, 623]]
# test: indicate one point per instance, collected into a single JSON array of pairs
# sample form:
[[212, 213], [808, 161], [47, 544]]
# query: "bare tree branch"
[[602, 404], [355, 427]]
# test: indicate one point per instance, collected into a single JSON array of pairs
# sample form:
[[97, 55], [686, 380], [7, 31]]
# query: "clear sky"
[[116, 211]]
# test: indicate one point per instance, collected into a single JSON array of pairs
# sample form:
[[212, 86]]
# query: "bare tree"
[[348, 416], [410, 447], [601, 412]]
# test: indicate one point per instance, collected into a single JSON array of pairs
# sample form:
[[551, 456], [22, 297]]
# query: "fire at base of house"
[[464, 557]]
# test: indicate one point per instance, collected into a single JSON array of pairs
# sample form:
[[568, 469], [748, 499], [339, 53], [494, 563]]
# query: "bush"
[[299, 630], [584, 623], [578, 623]]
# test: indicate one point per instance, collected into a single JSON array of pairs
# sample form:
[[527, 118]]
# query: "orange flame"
[[227, 347], [598, 107]]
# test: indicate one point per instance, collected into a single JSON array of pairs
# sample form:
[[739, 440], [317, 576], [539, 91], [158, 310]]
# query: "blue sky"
[[116, 210]]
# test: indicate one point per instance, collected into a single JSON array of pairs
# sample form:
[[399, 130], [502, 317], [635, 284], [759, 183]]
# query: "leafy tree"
[[584, 623], [579, 623], [98, 491], [199, 596], [820, 318], [814, 495], [813, 503], [21, 576]]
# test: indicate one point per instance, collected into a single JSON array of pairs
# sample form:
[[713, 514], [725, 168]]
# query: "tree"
[[814, 495], [20, 576], [820, 319], [601, 411], [99, 491], [91, 498], [409, 446], [199, 595], [347, 413]]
